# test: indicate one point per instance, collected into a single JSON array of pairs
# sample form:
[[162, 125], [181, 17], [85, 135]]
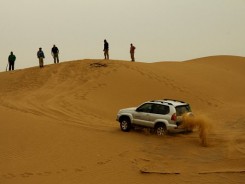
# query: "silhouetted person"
[[55, 54], [40, 56], [11, 60], [106, 49], [132, 49]]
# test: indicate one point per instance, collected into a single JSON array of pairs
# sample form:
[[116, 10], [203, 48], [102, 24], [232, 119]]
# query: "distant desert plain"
[[58, 124]]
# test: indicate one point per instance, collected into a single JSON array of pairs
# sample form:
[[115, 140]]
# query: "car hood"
[[130, 109]]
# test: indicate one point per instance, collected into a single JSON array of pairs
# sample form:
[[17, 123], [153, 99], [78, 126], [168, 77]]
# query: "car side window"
[[145, 108], [160, 109]]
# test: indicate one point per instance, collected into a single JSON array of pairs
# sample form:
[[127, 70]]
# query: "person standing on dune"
[[106, 49], [11, 60], [132, 49], [55, 54], [40, 56]]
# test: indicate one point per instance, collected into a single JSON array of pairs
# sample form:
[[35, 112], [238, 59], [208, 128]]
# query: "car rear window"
[[182, 109]]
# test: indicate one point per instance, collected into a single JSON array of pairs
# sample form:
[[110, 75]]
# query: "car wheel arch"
[[123, 117], [158, 123]]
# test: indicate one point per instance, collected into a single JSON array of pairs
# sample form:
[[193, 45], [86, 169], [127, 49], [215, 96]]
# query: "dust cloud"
[[199, 122]]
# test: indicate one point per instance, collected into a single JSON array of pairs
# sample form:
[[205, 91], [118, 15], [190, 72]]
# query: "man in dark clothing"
[[11, 60], [40, 56], [132, 49], [106, 49], [55, 54]]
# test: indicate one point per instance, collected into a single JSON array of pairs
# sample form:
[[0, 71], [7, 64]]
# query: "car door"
[[142, 113]]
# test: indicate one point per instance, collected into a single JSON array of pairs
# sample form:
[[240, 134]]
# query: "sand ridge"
[[58, 123]]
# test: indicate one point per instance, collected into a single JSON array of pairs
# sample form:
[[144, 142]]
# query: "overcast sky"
[[161, 30]]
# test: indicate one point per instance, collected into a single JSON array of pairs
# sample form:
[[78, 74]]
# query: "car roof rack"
[[160, 101], [174, 100]]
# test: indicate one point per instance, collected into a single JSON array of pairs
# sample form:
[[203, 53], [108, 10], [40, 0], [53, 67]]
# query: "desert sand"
[[58, 124]]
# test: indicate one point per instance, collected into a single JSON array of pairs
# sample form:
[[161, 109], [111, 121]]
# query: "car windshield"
[[180, 110]]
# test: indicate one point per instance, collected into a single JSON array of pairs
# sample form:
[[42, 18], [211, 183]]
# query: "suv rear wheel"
[[160, 129], [125, 124]]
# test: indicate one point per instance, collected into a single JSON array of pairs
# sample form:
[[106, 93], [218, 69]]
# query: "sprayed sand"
[[58, 123], [199, 122]]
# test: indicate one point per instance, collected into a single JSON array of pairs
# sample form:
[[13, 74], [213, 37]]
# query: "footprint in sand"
[[26, 174], [103, 162], [8, 176]]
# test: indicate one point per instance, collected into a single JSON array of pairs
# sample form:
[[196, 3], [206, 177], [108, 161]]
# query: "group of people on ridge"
[[40, 56], [55, 54], [106, 50]]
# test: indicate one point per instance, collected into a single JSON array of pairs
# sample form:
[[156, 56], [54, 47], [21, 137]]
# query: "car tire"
[[160, 129], [125, 125]]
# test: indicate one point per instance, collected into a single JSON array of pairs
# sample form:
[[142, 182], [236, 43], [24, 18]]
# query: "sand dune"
[[58, 123]]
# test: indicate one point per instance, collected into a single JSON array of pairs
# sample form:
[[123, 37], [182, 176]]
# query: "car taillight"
[[174, 117]]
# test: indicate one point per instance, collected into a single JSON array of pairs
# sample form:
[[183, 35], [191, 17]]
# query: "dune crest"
[[58, 123]]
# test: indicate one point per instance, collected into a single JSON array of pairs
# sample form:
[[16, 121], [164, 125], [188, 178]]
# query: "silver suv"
[[160, 115]]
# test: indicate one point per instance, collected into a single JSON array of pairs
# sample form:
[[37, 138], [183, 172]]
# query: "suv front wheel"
[[160, 129], [125, 125]]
